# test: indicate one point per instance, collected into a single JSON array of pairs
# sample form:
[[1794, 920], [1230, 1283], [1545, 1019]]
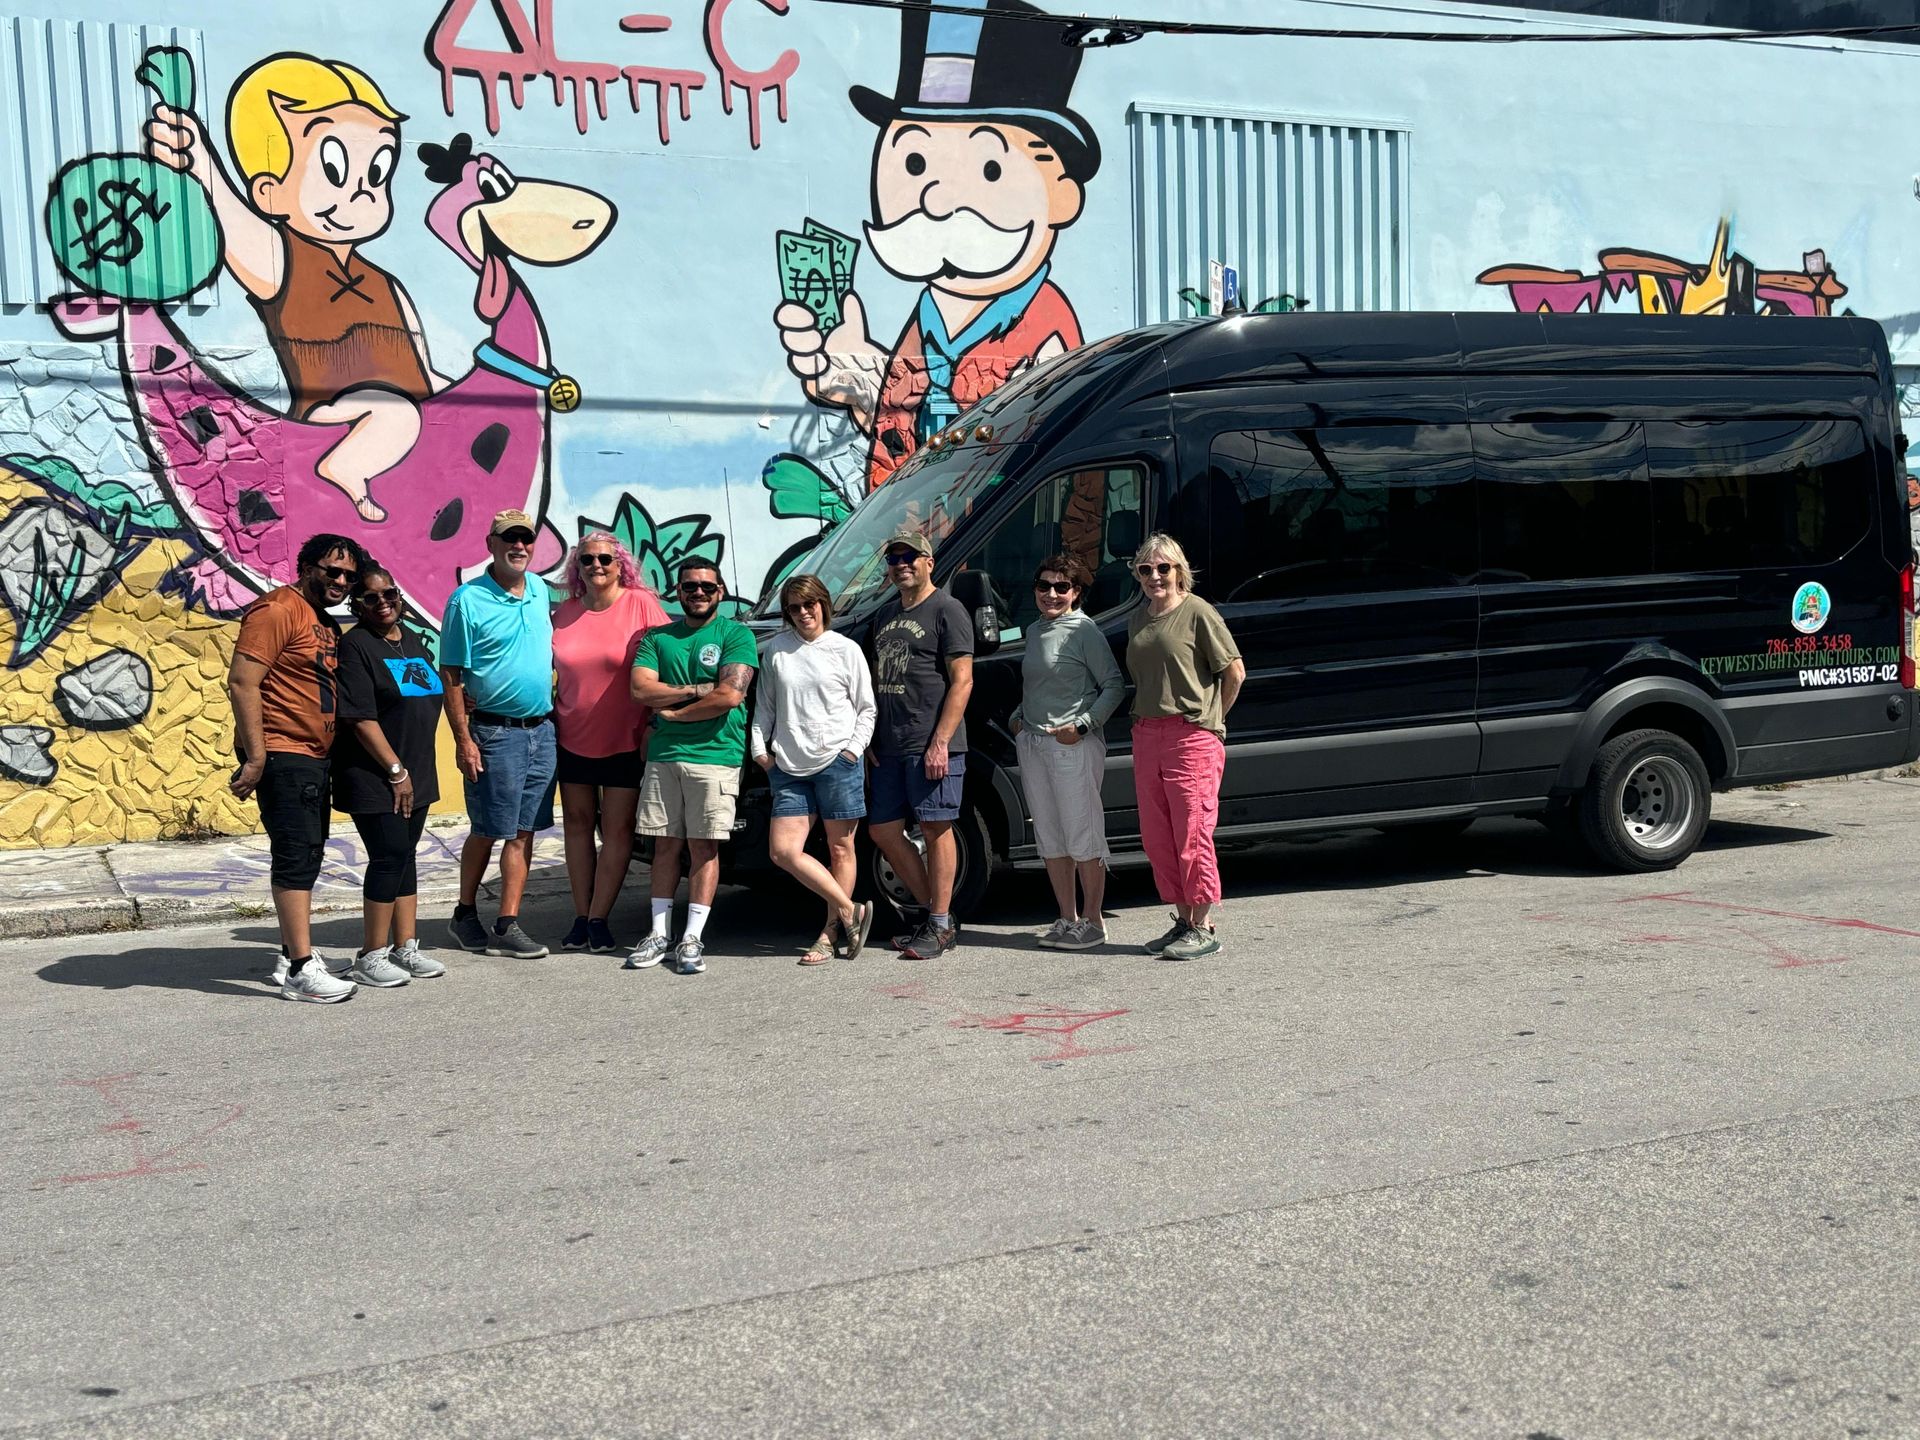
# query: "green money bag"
[[128, 227]]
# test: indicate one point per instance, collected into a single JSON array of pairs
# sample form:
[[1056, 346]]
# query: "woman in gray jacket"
[[1070, 685]]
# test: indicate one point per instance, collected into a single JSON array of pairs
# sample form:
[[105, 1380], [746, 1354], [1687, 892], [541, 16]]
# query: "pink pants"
[[1176, 777]]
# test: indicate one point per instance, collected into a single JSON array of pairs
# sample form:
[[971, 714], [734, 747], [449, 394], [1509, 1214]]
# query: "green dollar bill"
[[806, 276], [841, 250]]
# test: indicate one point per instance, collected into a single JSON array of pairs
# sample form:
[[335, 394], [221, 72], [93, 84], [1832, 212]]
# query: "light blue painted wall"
[[1544, 154]]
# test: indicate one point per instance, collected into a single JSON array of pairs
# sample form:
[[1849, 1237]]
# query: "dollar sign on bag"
[[115, 237]]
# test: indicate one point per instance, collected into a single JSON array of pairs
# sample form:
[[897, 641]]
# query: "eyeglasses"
[[337, 572], [901, 557], [699, 587], [1054, 587], [599, 562], [1163, 568], [515, 537], [378, 597]]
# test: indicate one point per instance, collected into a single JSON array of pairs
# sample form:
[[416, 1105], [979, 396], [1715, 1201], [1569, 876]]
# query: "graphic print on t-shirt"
[[413, 675]]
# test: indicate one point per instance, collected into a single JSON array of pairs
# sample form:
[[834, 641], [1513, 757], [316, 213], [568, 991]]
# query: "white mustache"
[[919, 247]]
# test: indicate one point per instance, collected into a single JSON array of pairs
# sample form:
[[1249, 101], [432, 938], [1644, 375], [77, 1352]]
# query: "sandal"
[[853, 938], [820, 952]]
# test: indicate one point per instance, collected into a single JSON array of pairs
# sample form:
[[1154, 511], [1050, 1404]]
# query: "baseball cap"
[[911, 540], [512, 520]]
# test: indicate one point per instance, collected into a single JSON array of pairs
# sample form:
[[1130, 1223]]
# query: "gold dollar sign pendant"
[[564, 394]]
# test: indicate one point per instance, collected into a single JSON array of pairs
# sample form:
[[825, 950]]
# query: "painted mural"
[[1639, 281]]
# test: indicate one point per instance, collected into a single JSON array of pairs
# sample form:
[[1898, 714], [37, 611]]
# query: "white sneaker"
[[312, 981], [1055, 933], [280, 967], [376, 968], [421, 967], [648, 953]]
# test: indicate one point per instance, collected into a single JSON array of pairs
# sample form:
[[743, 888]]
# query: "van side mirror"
[[974, 589]]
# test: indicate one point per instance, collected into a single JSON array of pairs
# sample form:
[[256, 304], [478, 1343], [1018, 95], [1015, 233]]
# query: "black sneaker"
[[577, 936], [929, 942], [600, 938], [468, 933], [914, 917]]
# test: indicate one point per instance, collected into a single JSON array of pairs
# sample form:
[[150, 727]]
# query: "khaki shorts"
[[690, 802], [1063, 795]]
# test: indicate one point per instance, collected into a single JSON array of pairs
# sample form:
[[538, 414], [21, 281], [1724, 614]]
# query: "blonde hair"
[[257, 131], [1162, 544]]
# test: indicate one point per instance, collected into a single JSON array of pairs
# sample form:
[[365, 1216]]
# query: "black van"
[[1585, 568]]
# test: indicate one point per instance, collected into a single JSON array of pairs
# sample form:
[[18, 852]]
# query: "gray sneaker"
[[1082, 935], [421, 967], [1196, 944], [1055, 933], [468, 933], [690, 956], [649, 952], [1160, 942], [516, 944], [376, 968]]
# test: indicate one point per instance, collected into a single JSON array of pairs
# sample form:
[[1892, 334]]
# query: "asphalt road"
[[1466, 1143]]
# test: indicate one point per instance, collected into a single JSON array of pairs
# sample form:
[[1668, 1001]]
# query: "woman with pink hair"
[[601, 733]]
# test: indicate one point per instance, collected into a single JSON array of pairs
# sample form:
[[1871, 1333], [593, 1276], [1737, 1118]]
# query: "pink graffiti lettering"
[[529, 50], [158, 1162]]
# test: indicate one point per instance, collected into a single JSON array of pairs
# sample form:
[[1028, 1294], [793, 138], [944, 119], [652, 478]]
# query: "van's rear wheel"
[[974, 870], [1646, 803]]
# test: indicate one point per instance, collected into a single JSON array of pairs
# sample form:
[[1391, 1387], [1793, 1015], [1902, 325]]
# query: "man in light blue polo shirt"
[[496, 661]]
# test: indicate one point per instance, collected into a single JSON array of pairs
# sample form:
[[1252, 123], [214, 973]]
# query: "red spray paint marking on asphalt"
[[1048, 1022], [1683, 897], [143, 1163]]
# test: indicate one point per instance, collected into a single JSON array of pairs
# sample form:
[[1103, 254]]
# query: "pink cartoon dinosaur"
[[248, 476]]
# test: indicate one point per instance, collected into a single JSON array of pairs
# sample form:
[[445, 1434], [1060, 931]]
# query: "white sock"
[[696, 920], [662, 917]]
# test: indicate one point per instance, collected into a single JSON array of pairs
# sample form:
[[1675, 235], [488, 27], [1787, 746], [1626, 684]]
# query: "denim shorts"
[[515, 791], [900, 784], [838, 792]]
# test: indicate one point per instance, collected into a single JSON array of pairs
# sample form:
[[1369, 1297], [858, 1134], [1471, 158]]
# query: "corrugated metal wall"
[[1303, 207], [67, 89]]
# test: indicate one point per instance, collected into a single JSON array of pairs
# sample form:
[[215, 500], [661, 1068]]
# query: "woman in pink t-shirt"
[[602, 734]]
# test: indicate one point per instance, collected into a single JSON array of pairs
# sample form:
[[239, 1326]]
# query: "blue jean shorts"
[[900, 784], [515, 791], [838, 792]]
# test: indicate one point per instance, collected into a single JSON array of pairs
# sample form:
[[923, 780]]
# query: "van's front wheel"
[[973, 871], [1646, 803]]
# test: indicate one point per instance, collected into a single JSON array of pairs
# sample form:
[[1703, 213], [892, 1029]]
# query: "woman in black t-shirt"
[[384, 776]]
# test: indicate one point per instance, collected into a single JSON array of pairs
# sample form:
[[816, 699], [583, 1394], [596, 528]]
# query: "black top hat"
[[992, 65]]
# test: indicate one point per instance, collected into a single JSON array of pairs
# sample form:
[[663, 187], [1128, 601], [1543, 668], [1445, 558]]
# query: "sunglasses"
[[599, 562], [378, 597], [1163, 568], [337, 572], [699, 587], [515, 537], [1054, 587], [799, 606], [901, 557]]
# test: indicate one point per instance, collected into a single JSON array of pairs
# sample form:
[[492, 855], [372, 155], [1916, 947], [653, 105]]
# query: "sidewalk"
[[81, 890]]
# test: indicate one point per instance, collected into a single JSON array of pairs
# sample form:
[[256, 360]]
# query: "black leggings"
[[391, 840]]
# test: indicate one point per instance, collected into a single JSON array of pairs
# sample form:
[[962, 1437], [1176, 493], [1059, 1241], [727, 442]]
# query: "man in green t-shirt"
[[693, 675]]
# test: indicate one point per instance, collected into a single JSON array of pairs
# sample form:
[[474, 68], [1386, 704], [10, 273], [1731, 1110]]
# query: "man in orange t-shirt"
[[282, 688]]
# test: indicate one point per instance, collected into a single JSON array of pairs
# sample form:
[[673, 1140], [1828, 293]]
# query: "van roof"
[[1294, 346]]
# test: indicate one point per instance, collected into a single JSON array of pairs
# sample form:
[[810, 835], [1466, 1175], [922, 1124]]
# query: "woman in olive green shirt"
[[1186, 675]]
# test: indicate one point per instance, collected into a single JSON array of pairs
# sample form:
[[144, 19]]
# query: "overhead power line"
[[1092, 31]]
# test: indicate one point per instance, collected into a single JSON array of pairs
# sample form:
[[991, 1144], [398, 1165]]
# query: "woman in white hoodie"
[[813, 715]]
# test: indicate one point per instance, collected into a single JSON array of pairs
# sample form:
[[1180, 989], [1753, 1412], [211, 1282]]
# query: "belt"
[[512, 722]]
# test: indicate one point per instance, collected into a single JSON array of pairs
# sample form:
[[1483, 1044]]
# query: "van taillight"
[[1906, 626]]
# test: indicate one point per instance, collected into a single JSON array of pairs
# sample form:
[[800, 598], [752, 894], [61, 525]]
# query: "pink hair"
[[624, 565]]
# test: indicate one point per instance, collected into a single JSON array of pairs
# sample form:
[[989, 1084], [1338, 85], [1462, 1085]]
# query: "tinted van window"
[[1747, 494], [1340, 511], [1095, 514], [1563, 500]]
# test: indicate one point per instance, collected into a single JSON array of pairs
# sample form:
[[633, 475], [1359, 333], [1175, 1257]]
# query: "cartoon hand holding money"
[[822, 324]]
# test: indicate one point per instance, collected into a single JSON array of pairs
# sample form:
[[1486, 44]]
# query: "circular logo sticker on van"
[[1811, 606], [710, 654]]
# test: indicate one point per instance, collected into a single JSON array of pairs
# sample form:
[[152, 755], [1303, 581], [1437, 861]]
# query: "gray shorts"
[[1063, 794]]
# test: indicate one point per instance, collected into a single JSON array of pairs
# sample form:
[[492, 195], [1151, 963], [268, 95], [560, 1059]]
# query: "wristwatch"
[[1081, 727], [395, 771]]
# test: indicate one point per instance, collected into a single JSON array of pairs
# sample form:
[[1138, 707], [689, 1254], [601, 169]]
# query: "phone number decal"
[[1849, 675]]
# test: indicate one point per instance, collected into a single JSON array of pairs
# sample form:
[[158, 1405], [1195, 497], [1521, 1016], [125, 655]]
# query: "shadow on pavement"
[[214, 970]]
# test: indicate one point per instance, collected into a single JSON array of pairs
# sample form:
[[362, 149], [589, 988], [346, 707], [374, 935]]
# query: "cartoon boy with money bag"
[[315, 143], [979, 166]]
